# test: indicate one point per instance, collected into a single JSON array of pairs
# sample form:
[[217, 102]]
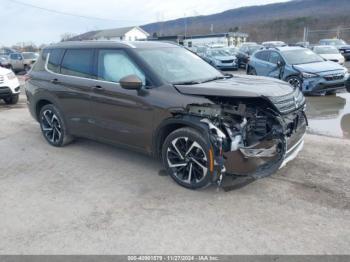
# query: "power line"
[[65, 13]]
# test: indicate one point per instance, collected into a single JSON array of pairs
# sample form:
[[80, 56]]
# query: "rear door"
[[72, 78], [262, 66], [275, 70], [120, 116]]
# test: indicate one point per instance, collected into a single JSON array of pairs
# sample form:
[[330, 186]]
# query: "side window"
[[15, 56], [54, 60], [264, 55], [78, 62], [115, 64], [274, 58]]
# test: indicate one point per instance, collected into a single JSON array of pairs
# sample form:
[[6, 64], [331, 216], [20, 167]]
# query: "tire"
[[295, 81], [12, 100], [26, 68], [187, 149], [331, 92], [53, 126], [252, 71]]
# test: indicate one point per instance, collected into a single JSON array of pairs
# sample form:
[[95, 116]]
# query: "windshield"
[[333, 42], [253, 48], [301, 56], [326, 50], [29, 55], [177, 65], [219, 52], [232, 50]]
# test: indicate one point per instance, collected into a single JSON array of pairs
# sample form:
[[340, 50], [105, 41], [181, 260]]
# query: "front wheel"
[[53, 127], [186, 158], [12, 100], [295, 82]]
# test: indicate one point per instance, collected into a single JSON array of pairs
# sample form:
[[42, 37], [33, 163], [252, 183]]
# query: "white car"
[[9, 86], [330, 53]]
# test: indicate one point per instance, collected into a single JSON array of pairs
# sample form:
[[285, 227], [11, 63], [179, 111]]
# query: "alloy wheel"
[[187, 160], [51, 126], [295, 82]]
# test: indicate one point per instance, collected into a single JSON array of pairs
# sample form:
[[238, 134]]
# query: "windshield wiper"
[[187, 83]]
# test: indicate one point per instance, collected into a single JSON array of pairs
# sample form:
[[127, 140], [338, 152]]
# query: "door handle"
[[97, 88], [55, 81]]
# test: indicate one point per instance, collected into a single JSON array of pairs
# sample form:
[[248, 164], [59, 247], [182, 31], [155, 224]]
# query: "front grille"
[[334, 77], [288, 103], [227, 61], [1, 79], [334, 60]]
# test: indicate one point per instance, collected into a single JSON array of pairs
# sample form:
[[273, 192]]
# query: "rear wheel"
[[53, 127], [12, 100], [185, 156]]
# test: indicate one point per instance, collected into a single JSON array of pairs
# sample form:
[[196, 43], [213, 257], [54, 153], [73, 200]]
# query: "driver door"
[[276, 65], [120, 116]]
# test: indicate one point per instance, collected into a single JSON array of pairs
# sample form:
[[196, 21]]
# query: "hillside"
[[282, 21]]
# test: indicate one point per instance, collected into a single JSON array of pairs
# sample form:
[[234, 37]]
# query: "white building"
[[132, 33], [225, 39]]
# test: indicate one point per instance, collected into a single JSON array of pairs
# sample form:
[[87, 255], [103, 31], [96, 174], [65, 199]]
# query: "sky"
[[21, 22]]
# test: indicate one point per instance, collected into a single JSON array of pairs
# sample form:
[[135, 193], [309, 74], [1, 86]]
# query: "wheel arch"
[[170, 125], [40, 104]]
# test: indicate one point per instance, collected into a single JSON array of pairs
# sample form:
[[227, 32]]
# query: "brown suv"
[[165, 101]]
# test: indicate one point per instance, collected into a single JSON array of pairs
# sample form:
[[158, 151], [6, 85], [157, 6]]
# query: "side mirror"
[[131, 82], [280, 63]]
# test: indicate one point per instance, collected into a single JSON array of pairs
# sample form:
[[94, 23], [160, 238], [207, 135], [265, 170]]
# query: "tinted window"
[[15, 56], [114, 65], [264, 55], [78, 62], [274, 58], [54, 60]]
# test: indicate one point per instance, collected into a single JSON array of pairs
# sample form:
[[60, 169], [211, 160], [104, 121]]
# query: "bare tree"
[[67, 36]]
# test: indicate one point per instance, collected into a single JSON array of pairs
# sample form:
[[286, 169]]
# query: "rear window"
[[54, 60], [78, 62]]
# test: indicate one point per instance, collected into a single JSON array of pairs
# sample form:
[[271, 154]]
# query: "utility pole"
[[306, 34], [185, 25], [212, 28]]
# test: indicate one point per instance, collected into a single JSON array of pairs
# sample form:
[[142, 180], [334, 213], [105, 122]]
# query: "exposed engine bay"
[[248, 138]]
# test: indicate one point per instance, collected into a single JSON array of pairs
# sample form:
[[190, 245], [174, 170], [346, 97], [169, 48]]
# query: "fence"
[[313, 36]]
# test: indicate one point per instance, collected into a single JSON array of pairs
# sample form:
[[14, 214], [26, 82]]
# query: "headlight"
[[11, 76], [308, 75]]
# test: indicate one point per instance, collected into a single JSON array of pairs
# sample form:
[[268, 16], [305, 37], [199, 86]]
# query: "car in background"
[[303, 44], [330, 53], [244, 53], [221, 58], [18, 63], [200, 50], [9, 86], [4, 62], [342, 46], [270, 44], [301, 68], [29, 58]]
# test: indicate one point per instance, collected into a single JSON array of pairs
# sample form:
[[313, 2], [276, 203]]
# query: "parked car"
[[330, 53], [29, 58], [201, 51], [245, 51], [221, 58], [300, 67], [18, 63], [9, 86], [342, 46], [270, 44], [163, 100], [4, 61], [303, 44]]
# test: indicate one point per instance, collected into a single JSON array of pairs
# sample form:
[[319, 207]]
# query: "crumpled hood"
[[319, 67], [224, 58], [239, 86]]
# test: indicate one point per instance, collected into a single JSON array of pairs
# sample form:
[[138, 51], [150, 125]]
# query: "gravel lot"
[[89, 198]]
